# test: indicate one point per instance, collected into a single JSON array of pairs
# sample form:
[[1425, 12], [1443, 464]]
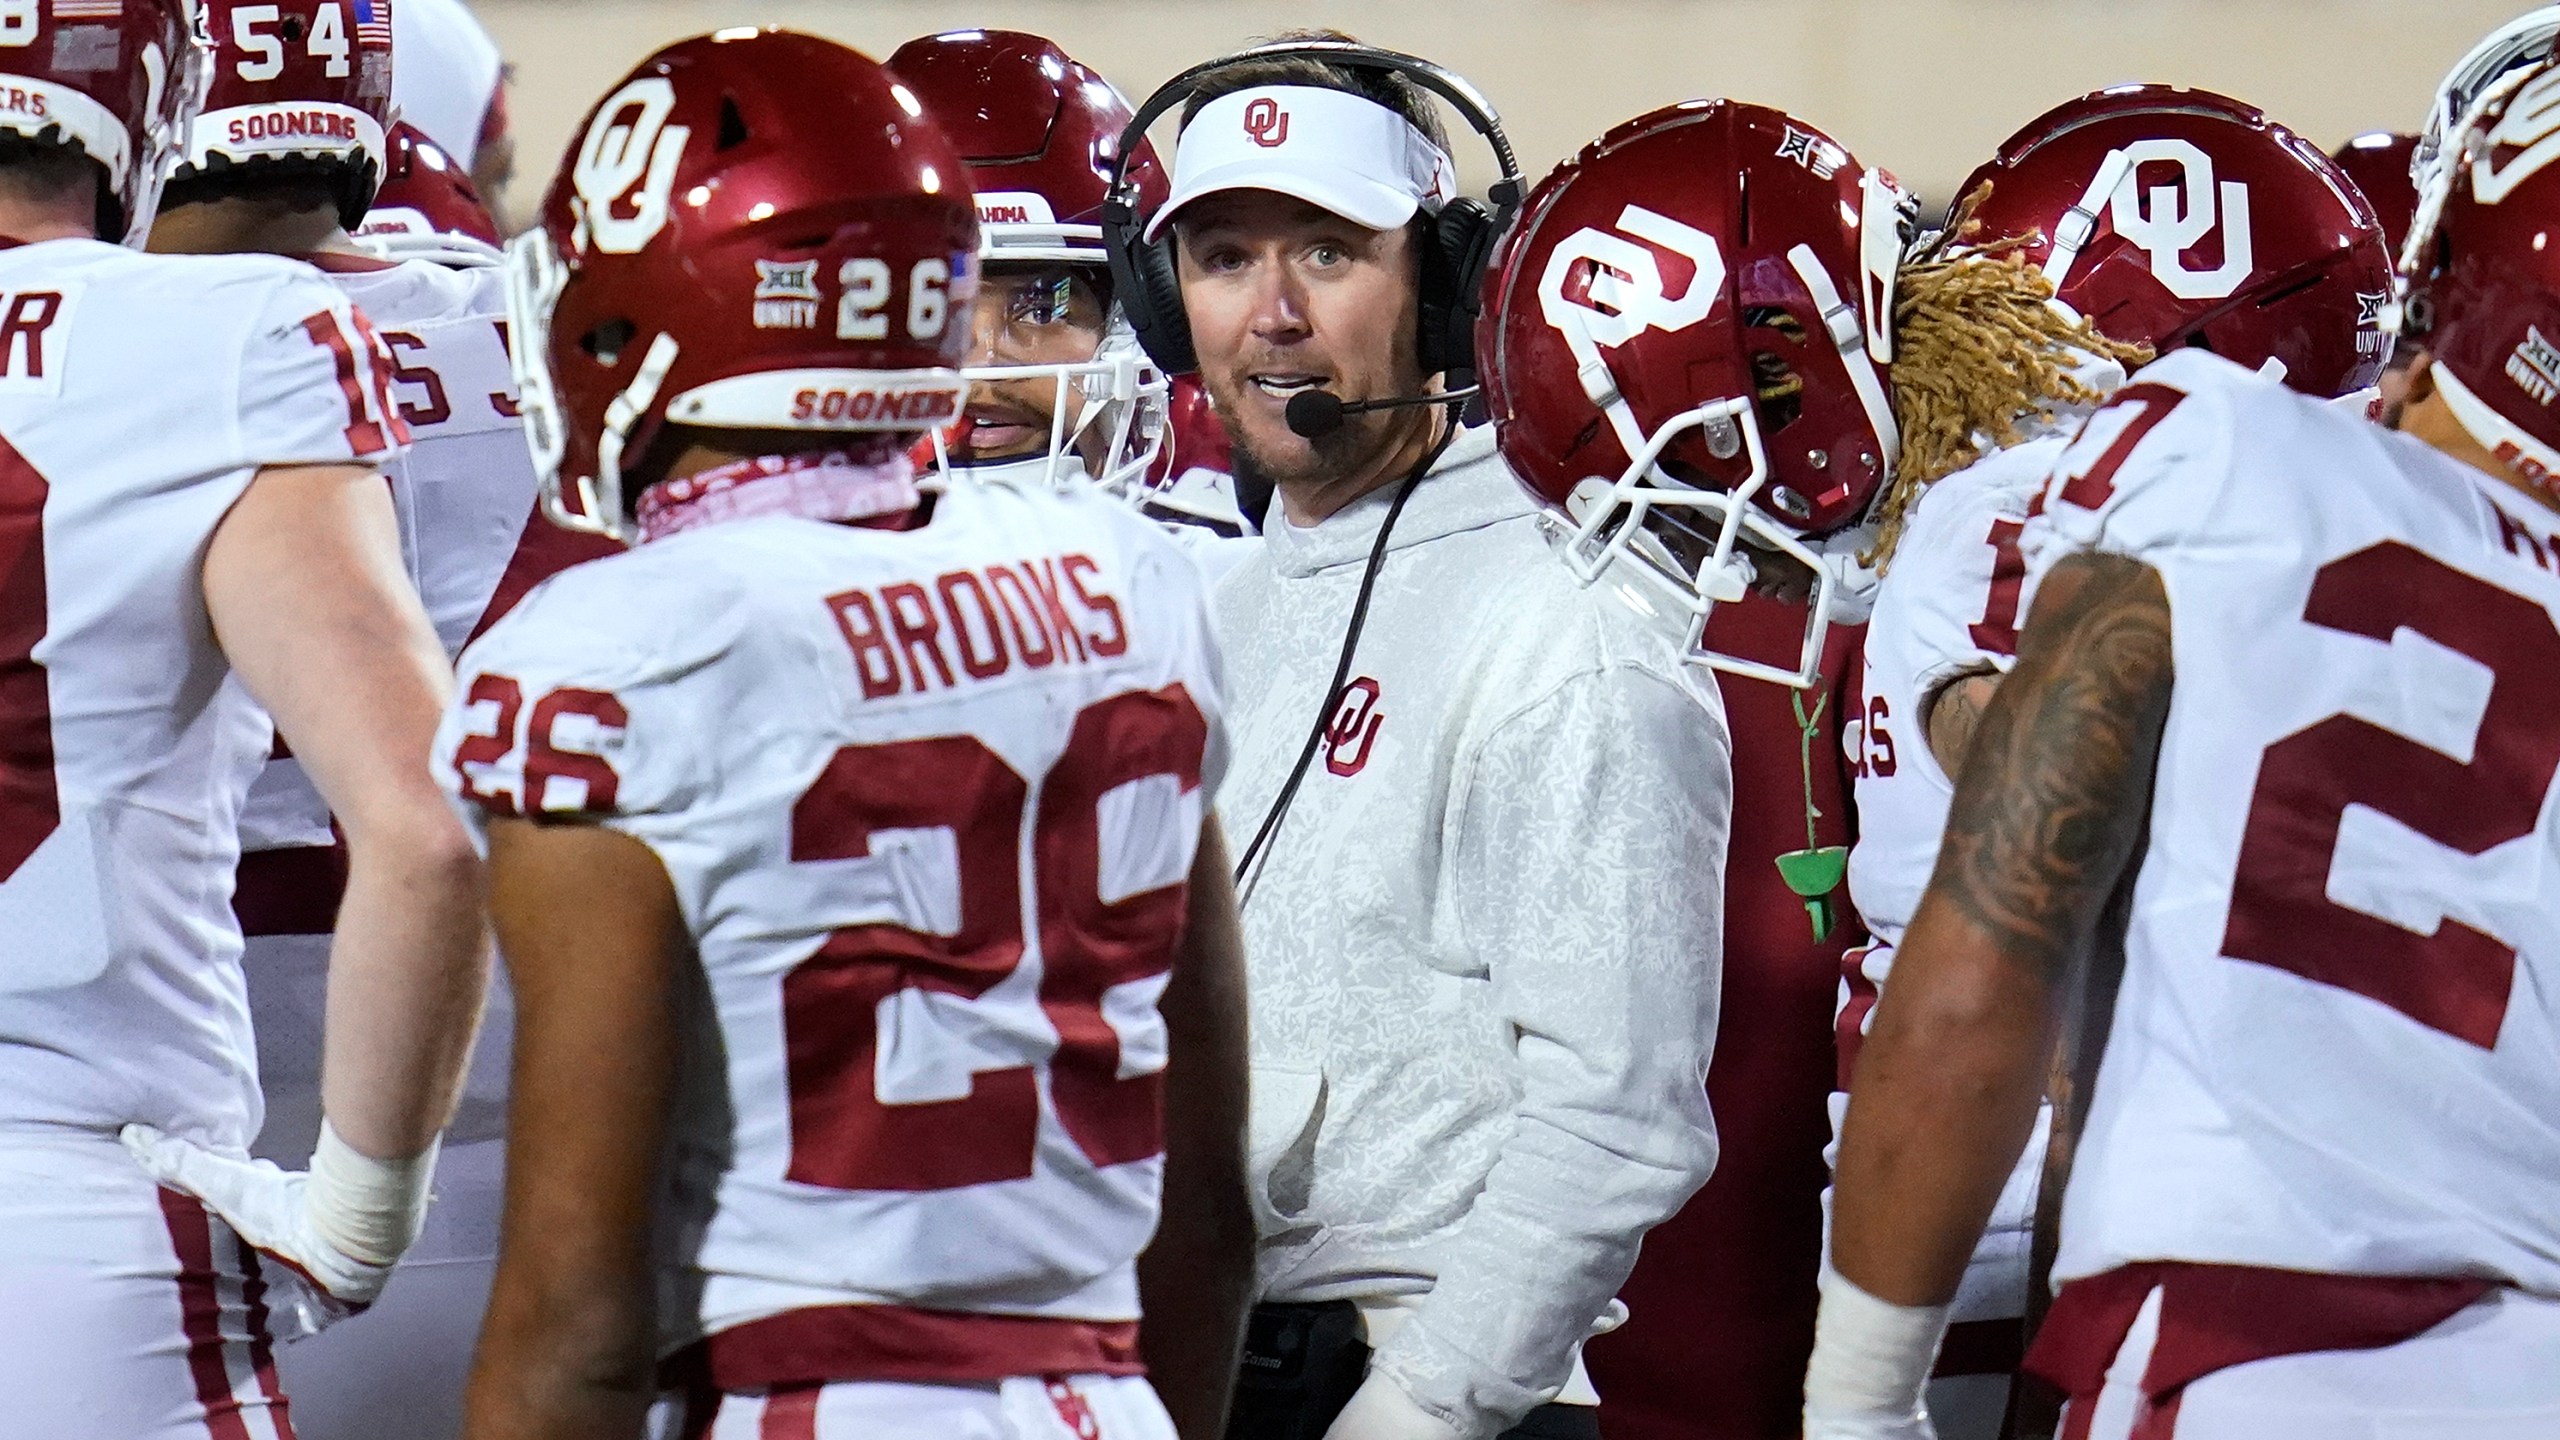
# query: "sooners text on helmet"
[[874, 406], [293, 125]]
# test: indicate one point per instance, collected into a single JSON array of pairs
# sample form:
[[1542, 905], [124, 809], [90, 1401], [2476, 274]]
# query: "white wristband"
[[370, 1210], [1871, 1357]]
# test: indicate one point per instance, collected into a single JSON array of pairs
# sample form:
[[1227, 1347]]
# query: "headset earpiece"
[[1159, 272], [1455, 249], [1149, 289]]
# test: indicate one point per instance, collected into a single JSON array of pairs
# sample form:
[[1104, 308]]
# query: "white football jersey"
[[464, 490], [138, 397], [2334, 1047], [1947, 607], [928, 800], [466, 487]]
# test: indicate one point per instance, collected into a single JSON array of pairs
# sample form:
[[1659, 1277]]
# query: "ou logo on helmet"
[[2168, 220], [1624, 295], [2531, 127], [629, 156]]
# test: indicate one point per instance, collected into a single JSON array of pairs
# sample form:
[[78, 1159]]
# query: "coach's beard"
[[1364, 443]]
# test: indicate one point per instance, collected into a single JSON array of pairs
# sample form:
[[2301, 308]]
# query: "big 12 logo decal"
[[2168, 220], [1602, 289]]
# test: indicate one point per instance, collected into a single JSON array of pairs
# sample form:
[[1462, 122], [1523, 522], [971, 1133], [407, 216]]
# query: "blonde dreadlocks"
[[1978, 349]]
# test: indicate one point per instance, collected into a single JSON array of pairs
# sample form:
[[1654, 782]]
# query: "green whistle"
[[1813, 874]]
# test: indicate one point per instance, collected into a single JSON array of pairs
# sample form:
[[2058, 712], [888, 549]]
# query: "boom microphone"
[[1314, 414]]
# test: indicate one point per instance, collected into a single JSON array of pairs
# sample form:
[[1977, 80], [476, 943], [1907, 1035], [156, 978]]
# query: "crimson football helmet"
[[2482, 279], [2379, 163], [1039, 133], [757, 229], [119, 82], [2521, 41], [428, 209], [2174, 217], [1193, 479], [1688, 336], [299, 84]]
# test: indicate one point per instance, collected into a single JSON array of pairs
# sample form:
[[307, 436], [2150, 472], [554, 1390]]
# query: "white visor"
[[1333, 149]]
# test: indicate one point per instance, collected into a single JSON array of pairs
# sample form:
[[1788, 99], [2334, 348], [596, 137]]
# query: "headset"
[[1463, 236], [1460, 245]]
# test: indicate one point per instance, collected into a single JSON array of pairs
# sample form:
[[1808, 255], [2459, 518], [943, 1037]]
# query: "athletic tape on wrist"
[[371, 1210], [1871, 1357]]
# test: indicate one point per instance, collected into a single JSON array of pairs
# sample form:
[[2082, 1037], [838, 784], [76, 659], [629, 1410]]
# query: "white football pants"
[[1031, 1407], [2490, 1372], [128, 1312]]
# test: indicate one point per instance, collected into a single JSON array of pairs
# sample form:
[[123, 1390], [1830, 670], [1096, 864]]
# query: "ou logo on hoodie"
[[1354, 731]]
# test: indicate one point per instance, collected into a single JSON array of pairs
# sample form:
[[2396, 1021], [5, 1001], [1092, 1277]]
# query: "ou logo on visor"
[[629, 156], [1266, 122], [2167, 220]]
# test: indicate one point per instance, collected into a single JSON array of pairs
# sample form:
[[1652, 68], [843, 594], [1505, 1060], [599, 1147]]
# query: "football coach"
[[1487, 808]]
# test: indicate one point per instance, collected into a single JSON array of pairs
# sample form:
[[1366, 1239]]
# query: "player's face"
[[1027, 315], [1283, 297]]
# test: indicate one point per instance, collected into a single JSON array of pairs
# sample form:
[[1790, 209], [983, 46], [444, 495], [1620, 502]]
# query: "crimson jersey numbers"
[[367, 388], [2451, 978], [30, 797], [844, 1136], [2454, 979]]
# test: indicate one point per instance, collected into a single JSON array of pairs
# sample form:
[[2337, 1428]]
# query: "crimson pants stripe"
[[2152, 1419], [790, 1413], [2160, 1422], [262, 1343], [200, 1314]]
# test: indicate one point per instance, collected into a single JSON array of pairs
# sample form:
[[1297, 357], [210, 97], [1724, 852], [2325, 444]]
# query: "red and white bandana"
[[822, 485]]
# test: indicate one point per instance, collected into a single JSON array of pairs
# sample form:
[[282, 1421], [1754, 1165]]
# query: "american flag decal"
[[373, 22], [87, 9]]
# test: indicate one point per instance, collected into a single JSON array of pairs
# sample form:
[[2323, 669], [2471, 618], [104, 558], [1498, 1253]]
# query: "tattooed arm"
[[2046, 814], [1954, 712]]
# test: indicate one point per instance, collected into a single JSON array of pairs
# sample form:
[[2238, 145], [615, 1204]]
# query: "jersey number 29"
[[843, 1134]]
